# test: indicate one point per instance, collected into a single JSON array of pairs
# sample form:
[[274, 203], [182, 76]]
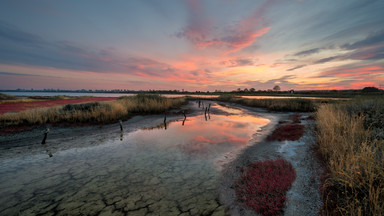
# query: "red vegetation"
[[263, 186], [17, 107], [287, 132], [295, 118]]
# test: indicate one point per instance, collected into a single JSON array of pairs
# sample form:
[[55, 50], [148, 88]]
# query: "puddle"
[[154, 171]]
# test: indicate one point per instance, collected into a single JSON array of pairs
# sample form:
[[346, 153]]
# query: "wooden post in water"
[[209, 107], [45, 136], [185, 117], [165, 120], [121, 125]]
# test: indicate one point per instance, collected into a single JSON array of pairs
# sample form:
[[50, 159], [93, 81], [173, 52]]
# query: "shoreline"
[[28, 143]]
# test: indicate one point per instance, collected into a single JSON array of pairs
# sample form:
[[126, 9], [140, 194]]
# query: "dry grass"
[[294, 105], [352, 146], [94, 112]]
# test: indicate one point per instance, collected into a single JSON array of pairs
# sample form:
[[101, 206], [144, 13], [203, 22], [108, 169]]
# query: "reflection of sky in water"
[[165, 171]]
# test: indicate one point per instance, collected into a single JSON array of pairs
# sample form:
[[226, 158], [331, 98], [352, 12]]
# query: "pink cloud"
[[355, 71], [202, 33]]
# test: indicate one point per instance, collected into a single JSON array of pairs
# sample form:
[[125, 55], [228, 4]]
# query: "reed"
[[351, 142], [93, 112]]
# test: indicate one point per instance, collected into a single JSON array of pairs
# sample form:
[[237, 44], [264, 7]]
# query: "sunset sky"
[[191, 44]]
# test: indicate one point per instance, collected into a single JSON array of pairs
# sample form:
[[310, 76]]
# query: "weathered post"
[[45, 136], [185, 117], [209, 107], [165, 120], [121, 125]]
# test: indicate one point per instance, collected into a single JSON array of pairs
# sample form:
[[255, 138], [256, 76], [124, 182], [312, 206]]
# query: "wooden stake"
[[45, 136], [121, 125]]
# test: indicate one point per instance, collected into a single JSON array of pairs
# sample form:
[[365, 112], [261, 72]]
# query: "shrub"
[[84, 107], [370, 89]]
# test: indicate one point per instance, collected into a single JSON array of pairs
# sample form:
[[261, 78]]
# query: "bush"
[[370, 89], [84, 107]]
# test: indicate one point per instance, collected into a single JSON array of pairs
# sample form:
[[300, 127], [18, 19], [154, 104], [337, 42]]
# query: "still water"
[[151, 171]]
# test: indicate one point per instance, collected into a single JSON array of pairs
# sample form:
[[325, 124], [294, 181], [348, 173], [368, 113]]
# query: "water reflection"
[[151, 171]]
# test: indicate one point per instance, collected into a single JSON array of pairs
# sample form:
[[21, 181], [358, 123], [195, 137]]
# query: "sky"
[[193, 45]]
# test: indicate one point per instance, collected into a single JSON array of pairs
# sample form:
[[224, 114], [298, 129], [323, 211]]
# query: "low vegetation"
[[92, 112], [351, 143], [287, 132], [289, 104], [264, 184]]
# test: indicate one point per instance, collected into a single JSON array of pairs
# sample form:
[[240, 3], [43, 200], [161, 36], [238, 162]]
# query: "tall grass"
[[289, 104], [351, 143], [94, 112]]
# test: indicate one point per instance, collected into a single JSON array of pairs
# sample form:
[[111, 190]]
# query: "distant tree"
[[370, 89], [239, 89], [252, 90], [276, 88], [246, 90]]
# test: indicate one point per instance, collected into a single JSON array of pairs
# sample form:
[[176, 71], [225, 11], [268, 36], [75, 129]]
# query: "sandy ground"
[[304, 196]]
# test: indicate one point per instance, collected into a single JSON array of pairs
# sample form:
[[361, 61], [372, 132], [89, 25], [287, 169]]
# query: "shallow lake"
[[151, 171]]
